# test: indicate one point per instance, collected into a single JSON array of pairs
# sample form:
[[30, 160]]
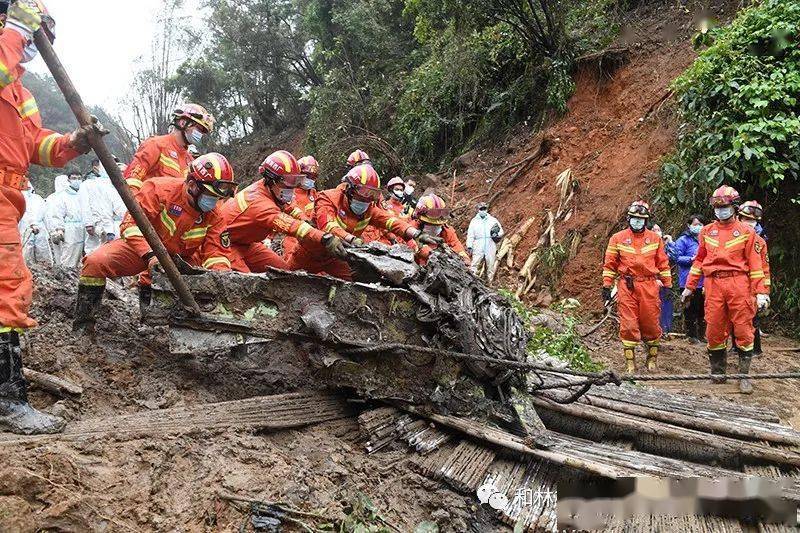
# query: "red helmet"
[[724, 196], [639, 209], [309, 166], [364, 182], [194, 113], [358, 157], [431, 209], [281, 167], [751, 209], [397, 180], [214, 173]]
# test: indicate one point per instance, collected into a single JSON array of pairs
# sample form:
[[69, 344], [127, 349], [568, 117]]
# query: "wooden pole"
[[98, 145]]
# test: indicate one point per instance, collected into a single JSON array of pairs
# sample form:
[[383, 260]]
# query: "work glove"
[[57, 237], [79, 139], [606, 295], [355, 241], [430, 240], [35, 230], [334, 246], [762, 301], [154, 266], [110, 237], [25, 17], [686, 295]]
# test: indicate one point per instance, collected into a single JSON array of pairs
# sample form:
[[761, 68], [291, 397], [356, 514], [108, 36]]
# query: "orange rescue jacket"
[[728, 247], [639, 255], [333, 215], [253, 215], [183, 230], [450, 238], [23, 140], [761, 249], [303, 204], [160, 156]]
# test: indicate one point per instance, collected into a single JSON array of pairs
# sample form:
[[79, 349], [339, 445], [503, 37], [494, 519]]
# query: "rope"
[[594, 378]]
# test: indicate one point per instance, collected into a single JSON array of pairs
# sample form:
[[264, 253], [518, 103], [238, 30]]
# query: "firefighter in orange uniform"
[[168, 155], [430, 217], [345, 212], [23, 141], [750, 213], [304, 196], [637, 260], [394, 204], [262, 209], [358, 157], [734, 284], [188, 219]]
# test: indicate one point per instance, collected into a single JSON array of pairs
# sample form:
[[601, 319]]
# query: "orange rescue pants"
[[729, 306], [115, 259], [315, 262], [16, 282], [255, 257], [639, 312]]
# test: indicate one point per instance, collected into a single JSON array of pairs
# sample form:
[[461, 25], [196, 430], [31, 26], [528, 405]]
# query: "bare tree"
[[152, 98]]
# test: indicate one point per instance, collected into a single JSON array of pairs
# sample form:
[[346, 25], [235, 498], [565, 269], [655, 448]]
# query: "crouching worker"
[[263, 209], [187, 219], [637, 259], [430, 217], [346, 212]]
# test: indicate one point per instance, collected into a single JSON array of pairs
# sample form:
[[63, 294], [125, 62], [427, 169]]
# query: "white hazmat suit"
[[108, 208], [64, 215], [61, 182], [35, 239], [484, 248]]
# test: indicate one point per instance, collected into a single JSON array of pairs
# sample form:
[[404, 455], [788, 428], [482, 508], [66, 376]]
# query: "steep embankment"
[[618, 128]]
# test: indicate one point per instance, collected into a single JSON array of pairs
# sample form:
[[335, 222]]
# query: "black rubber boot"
[[718, 360], [745, 387], [86, 307], [16, 414], [145, 298]]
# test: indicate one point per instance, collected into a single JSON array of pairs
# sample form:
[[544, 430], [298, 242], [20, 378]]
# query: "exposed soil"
[[619, 125]]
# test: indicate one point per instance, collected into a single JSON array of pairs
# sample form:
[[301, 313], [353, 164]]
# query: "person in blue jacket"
[[682, 252]]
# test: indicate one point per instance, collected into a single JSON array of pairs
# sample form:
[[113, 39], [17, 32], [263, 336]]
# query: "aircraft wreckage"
[[442, 361]]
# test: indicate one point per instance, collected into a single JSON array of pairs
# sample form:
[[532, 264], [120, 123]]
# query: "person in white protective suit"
[[483, 235], [32, 229], [65, 222], [90, 191], [107, 208], [59, 184]]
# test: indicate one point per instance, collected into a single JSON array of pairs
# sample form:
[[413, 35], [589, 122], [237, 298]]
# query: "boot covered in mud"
[[718, 360], [16, 414], [88, 304], [145, 298], [630, 360], [745, 386], [652, 356]]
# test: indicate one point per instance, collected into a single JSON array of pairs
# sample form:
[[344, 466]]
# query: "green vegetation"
[[565, 346], [740, 103], [412, 81]]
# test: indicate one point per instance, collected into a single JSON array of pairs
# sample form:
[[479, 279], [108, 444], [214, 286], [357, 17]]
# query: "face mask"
[[723, 213], [75, 184], [207, 203], [358, 207], [750, 222], [695, 229], [409, 190], [194, 136], [29, 53], [307, 184], [398, 192], [286, 195], [637, 224], [432, 229], [483, 214]]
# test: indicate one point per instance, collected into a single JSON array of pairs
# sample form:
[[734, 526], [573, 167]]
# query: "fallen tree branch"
[[509, 245], [52, 384]]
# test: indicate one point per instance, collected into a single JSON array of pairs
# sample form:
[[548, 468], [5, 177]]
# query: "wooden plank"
[[282, 411]]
